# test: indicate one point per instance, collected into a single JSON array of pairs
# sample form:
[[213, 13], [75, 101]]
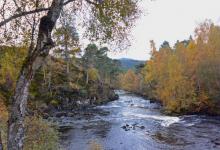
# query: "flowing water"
[[133, 123]]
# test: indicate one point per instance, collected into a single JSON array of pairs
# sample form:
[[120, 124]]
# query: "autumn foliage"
[[185, 77], [129, 81]]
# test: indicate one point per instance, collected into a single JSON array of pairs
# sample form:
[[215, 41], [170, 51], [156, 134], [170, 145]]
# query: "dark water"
[[133, 123]]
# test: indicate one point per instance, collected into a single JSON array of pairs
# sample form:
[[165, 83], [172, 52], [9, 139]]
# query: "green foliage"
[[3, 121], [111, 20], [51, 85], [55, 103], [89, 58], [107, 68], [93, 74], [11, 60]]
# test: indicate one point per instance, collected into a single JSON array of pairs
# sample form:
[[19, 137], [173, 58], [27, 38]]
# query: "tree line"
[[184, 78]]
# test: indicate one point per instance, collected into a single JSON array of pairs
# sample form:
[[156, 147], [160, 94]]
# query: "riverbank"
[[215, 111], [73, 103]]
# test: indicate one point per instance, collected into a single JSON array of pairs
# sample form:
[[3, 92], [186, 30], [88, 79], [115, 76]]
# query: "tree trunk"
[[87, 77], [33, 61], [45, 75], [67, 59]]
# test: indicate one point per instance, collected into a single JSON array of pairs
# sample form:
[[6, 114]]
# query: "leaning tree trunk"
[[34, 60]]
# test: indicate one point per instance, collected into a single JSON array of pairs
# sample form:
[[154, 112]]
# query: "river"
[[133, 123]]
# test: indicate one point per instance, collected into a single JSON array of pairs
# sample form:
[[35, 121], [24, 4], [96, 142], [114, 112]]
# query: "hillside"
[[127, 63]]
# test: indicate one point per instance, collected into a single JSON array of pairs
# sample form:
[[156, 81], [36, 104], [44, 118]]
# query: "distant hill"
[[127, 63]]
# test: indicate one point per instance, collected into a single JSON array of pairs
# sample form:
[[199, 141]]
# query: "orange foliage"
[[186, 78], [129, 81]]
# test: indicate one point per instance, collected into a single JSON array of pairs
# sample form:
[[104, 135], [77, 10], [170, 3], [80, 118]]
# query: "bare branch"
[[67, 2], [16, 4], [90, 2], [5, 21], [22, 14]]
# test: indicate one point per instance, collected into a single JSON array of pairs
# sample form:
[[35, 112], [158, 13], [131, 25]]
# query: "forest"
[[59, 85], [184, 78], [60, 89]]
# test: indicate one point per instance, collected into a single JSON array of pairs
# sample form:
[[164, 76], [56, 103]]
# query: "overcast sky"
[[169, 20]]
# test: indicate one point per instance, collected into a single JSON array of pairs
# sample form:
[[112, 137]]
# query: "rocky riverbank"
[[70, 103]]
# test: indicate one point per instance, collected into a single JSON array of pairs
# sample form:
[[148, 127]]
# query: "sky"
[[169, 20]]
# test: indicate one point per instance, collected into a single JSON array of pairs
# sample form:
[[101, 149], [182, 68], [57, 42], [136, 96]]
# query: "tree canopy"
[[107, 21], [185, 77]]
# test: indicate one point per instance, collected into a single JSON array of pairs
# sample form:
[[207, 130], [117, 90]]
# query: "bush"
[[93, 74], [40, 135], [3, 121], [55, 103]]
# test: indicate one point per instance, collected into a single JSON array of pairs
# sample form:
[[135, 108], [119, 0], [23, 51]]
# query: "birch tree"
[[104, 20]]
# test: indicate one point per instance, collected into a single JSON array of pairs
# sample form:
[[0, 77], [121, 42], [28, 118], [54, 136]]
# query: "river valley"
[[133, 123]]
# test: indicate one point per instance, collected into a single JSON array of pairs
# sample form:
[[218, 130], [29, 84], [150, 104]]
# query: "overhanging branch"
[[90, 2], [22, 14], [28, 13]]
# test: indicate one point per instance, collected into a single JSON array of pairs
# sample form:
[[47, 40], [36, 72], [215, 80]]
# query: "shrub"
[[40, 135]]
